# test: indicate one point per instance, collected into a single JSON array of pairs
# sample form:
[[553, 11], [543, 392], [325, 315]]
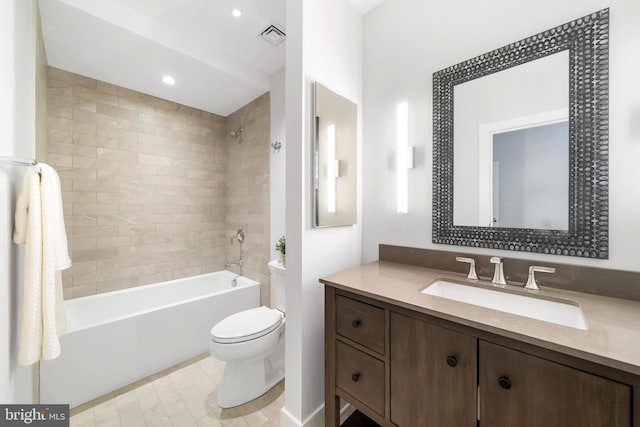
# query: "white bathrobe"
[[39, 224]]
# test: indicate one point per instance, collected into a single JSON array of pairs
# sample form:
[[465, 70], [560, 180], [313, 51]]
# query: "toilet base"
[[245, 380]]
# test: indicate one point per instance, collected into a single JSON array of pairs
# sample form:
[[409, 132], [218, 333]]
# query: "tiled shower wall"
[[247, 189], [143, 184]]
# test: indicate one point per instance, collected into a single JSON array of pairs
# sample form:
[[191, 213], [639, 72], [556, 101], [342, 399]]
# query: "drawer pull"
[[355, 323], [504, 382], [355, 377], [452, 361]]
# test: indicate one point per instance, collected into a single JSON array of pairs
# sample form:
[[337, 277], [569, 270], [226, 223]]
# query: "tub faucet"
[[498, 273], [237, 262]]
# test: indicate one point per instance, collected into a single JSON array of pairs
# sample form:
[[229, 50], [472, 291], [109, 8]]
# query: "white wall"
[[324, 44], [277, 168], [406, 41], [17, 138]]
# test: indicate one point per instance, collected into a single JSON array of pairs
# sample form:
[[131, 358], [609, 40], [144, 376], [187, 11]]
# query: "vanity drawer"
[[360, 322], [360, 375]]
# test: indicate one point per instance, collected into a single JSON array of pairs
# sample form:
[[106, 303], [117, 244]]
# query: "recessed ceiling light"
[[169, 80], [237, 13]]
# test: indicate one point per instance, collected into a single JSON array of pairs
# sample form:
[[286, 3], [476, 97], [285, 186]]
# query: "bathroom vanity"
[[406, 358]]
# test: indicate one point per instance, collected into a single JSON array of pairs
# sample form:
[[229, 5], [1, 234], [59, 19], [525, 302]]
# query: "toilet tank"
[[278, 274]]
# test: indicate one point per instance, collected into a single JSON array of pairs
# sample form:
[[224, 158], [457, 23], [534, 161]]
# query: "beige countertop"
[[612, 337]]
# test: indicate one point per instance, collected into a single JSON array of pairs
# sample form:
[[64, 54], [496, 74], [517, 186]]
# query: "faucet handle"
[[498, 272], [472, 267], [531, 280]]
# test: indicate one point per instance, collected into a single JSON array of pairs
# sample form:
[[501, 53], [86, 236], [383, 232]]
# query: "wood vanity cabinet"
[[433, 374], [524, 390], [405, 368]]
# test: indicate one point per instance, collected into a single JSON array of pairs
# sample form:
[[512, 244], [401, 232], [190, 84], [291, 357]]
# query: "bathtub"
[[116, 338]]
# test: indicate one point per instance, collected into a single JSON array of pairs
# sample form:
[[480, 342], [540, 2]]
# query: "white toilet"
[[251, 342]]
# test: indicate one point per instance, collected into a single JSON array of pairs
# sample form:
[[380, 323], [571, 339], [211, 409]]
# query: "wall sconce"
[[333, 167], [404, 154]]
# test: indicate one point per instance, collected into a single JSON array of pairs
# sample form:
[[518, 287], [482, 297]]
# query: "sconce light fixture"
[[332, 168], [402, 156]]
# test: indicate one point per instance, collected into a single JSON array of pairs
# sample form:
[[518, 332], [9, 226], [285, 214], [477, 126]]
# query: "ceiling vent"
[[273, 35]]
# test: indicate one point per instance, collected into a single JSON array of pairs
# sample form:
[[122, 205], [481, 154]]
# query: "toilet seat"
[[246, 325]]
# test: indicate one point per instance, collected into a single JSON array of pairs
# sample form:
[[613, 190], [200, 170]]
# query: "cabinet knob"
[[452, 361], [504, 382], [355, 377], [355, 323]]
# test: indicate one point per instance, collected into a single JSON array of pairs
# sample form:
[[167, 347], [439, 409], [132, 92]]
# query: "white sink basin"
[[565, 314]]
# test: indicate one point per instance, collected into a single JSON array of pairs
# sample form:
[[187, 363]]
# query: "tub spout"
[[237, 262]]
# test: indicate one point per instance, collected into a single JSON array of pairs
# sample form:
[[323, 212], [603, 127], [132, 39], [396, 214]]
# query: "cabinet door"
[[518, 389], [433, 375]]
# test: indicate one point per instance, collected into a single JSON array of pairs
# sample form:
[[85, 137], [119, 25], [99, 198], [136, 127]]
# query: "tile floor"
[[180, 398]]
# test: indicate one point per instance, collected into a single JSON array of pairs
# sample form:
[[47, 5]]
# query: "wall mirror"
[[334, 159], [521, 144]]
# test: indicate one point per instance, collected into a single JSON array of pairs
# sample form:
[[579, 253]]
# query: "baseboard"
[[316, 419]]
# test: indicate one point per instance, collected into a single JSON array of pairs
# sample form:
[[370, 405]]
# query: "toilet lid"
[[246, 325]]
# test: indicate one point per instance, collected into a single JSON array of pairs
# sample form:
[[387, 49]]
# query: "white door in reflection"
[[529, 178]]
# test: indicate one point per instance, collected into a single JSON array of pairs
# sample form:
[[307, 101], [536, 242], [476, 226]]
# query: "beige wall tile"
[[79, 291], [154, 189], [68, 101], [94, 118], [74, 79], [60, 160], [60, 111], [57, 135], [247, 188], [60, 148], [79, 220], [107, 88], [137, 106], [81, 243], [93, 141], [95, 95], [83, 279]]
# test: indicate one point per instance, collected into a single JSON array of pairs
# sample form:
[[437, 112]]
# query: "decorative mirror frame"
[[587, 40]]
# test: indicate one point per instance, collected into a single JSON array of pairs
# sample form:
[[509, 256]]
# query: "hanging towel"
[[39, 224]]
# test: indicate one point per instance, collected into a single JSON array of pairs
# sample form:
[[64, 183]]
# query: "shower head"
[[236, 133]]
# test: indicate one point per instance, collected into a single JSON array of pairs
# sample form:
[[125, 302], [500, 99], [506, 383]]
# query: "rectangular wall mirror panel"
[[507, 126], [521, 144], [335, 133]]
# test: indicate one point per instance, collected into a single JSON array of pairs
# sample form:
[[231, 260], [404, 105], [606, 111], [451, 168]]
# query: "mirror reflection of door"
[[494, 221], [529, 176], [530, 95]]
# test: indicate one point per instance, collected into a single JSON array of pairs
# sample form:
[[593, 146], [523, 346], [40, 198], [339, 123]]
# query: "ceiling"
[[218, 61]]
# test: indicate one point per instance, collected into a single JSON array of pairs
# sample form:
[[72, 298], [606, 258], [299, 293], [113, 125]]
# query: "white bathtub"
[[116, 338]]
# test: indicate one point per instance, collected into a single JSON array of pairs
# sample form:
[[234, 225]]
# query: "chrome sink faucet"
[[498, 273], [472, 267], [531, 280]]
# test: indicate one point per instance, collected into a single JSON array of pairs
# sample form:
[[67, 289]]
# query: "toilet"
[[251, 342]]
